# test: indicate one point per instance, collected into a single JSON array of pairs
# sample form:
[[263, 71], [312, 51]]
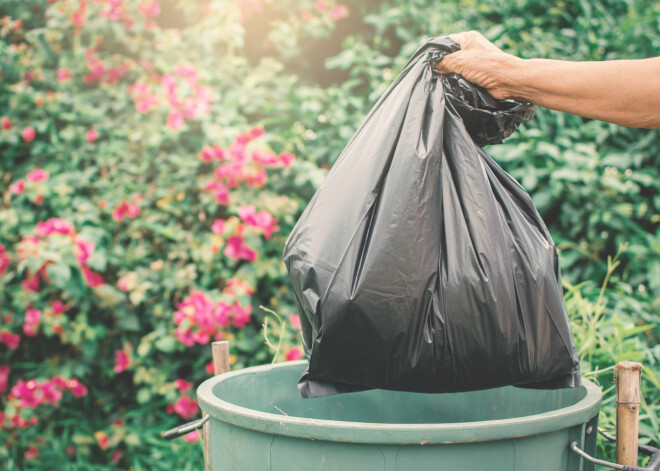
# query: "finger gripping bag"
[[419, 264]]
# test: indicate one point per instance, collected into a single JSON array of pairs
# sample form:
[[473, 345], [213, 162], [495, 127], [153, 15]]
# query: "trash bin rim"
[[392, 433]]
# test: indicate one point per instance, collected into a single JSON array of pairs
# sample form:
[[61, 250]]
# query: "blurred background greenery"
[[154, 155]]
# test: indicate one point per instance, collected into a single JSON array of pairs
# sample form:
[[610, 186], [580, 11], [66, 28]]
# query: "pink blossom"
[[262, 220], [84, 250], [218, 226], [27, 392], [222, 314], [122, 361], [4, 379], [31, 453], [31, 322], [31, 282], [292, 354], [91, 135], [124, 284], [92, 278], [38, 175], [175, 119], [321, 5], [29, 133], [249, 135], [237, 249], [9, 339], [338, 12], [294, 320], [54, 225], [116, 456], [18, 187], [5, 123], [59, 307], [185, 407], [185, 336], [125, 208], [182, 385], [76, 387], [39, 199], [219, 190], [191, 437], [50, 392], [241, 315], [4, 260], [187, 72], [64, 74], [286, 159], [102, 439]]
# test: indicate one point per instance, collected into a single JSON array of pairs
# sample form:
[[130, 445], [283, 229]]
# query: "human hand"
[[481, 62]]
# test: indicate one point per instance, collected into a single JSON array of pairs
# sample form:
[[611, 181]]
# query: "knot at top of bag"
[[487, 120]]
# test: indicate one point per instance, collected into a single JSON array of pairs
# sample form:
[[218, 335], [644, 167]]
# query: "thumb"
[[447, 63]]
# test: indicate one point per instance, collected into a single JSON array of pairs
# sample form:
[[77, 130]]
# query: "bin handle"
[[652, 465], [185, 428]]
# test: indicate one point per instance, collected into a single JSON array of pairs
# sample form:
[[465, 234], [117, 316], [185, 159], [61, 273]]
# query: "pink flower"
[[54, 225], [5, 123], [28, 393], [50, 392], [102, 439], [63, 74], [262, 220], [18, 187], [187, 72], [84, 250], [191, 437], [92, 278], [294, 319], [124, 284], [218, 226], [4, 379], [321, 5], [4, 260], [31, 282], [39, 199], [9, 339], [38, 175], [116, 456], [91, 135], [29, 134], [31, 322], [76, 387], [31, 453], [185, 407], [182, 385], [338, 12], [237, 249], [292, 354], [175, 119], [286, 158], [241, 315], [58, 307], [122, 361], [125, 209]]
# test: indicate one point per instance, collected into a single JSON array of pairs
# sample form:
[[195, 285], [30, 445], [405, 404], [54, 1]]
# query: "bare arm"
[[625, 92]]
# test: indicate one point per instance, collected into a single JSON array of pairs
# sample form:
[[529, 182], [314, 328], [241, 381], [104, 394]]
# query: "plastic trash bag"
[[419, 264]]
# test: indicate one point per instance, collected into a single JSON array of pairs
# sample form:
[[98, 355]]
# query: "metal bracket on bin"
[[185, 428], [652, 465]]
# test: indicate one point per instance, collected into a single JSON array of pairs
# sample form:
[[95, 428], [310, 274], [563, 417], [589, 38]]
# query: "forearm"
[[600, 90]]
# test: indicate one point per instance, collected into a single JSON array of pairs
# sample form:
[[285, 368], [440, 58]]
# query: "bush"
[[156, 155]]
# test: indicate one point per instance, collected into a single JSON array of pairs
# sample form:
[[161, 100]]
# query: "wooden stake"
[[220, 352], [627, 377]]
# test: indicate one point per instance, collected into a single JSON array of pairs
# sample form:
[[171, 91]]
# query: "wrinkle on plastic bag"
[[419, 264]]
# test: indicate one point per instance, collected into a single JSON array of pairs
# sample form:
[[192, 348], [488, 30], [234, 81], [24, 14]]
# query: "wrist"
[[512, 79]]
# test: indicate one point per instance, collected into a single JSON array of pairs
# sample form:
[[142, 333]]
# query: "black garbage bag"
[[419, 264]]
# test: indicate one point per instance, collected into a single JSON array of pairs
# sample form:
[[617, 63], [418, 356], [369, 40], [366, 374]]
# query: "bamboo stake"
[[627, 377], [220, 352]]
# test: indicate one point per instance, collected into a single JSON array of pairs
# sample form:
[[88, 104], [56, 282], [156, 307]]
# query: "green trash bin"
[[258, 422]]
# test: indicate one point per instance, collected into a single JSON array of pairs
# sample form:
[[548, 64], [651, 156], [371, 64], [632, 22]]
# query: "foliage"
[[156, 154]]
